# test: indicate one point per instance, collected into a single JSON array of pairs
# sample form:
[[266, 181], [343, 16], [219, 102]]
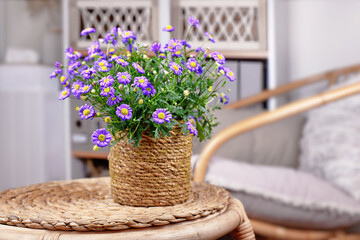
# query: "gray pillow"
[[330, 147], [284, 196]]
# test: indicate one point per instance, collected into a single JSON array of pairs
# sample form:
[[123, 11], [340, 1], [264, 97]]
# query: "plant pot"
[[156, 173]]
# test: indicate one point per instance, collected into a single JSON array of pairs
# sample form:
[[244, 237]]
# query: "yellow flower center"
[[103, 68], [161, 115], [193, 64], [141, 81], [121, 60], [107, 119], [168, 27], [113, 99], [86, 112], [127, 33], [106, 80], [101, 137], [148, 89], [101, 64], [231, 73], [176, 67], [162, 54], [62, 79], [178, 52], [124, 111], [93, 55], [112, 50], [77, 86], [86, 88], [64, 93], [220, 57], [210, 36], [123, 77], [107, 90]]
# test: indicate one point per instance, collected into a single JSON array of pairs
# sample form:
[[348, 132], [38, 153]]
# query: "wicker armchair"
[[269, 229]]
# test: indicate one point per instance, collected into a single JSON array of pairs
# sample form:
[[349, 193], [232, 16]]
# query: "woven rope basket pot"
[[156, 173]]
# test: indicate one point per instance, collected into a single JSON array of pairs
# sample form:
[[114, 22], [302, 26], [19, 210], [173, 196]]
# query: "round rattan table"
[[83, 209]]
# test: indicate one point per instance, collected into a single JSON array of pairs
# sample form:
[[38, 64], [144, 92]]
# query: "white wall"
[[34, 25], [312, 36]]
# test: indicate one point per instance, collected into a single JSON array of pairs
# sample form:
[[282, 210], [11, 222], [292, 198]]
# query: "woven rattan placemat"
[[86, 205]]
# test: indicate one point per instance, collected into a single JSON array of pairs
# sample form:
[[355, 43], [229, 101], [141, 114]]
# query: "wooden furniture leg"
[[244, 231]]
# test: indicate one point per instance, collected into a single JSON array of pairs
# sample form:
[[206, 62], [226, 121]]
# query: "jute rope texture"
[[86, 205], [156, 173]]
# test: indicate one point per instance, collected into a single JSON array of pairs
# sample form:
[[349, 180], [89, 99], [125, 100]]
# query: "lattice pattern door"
[[235, 24], [134, 15]]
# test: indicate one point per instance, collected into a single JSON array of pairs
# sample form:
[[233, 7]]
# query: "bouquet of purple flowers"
[[136, 94]]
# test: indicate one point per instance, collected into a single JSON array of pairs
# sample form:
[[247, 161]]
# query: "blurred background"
[[267, 43]]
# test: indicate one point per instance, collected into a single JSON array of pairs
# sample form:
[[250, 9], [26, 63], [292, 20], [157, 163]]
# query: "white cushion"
[[330, 147], [284, 196]]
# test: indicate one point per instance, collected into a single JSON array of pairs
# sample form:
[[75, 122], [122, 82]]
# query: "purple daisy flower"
[[192, 65], [106, 81], [156, 47], [138, 68], [224, 99], [194, 22], [72, 54], [173, 45], [124, 78], [121, 61], [94, 48], [141, 82], [114, 100], [86, 88], [110, 38], [177, 53], [101, 137], [161, 55], [199, 70], [87, 31], [177, 69], [191, 128], [63, 80], [64, 93], [88, 73], [107, 91], [112, 51], [58, 71], [124, 112], [185, 43], [57, 65], [103, 65], [149, 90], [127, 35], [161, 115], [53, 75], [218, 57], [76, 88], [210, 37], [168, 28], [229, 74], [86, 112]]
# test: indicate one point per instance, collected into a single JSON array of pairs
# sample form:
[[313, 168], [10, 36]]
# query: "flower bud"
[[210, 89], [121, 87], [93, 91], [101, 40], [83, 98], [186, 93], [98, 114], [222, 72], [229, 90], [83, 63], [154, 72], [166, 72], [95, 148], [107, 119], [141, 101], [77, 108], [135, 89], [222, 94]]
